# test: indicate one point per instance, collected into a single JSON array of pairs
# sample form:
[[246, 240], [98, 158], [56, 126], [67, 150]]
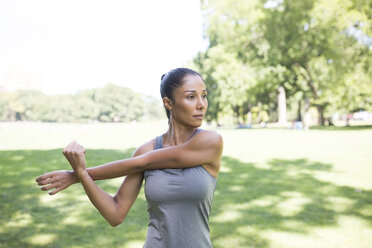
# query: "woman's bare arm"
[[114, 209], [62, 179], [204, 148], [109, 207]]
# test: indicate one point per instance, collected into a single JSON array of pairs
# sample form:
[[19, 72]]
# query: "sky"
[[66, 46]]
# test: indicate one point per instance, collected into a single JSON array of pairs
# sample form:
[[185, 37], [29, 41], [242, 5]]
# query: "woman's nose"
[[200, 103]]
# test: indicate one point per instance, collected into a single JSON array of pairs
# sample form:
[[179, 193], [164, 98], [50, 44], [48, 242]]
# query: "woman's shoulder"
[[204, 137], [211, 140], [145, 147], [209, 136], [207, 139]]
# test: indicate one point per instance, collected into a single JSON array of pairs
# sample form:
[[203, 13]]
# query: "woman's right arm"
[[115, 209]]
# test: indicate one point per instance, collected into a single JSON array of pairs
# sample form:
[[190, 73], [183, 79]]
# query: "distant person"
[[180, 168], [297, 125], [348, 119]]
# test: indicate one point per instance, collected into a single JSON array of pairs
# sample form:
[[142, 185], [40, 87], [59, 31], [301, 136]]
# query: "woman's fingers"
[[72, 148], [48, 187], [56, 190], [57, 180], [47, 181], [60, 180], [56, 186], [44, 177], [74, 154]]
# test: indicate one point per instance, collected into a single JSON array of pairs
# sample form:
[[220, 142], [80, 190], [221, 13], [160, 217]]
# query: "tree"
[[308, 46], [114, 103], [111, 103], [234, 79]]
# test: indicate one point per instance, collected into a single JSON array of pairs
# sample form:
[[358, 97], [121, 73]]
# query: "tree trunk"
[[246, 108], [320, 115], [299, 116], [307, 118], [314, 91], [235, 109], [282, 108]]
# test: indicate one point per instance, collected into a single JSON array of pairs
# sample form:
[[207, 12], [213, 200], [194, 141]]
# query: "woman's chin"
[[198, 123]]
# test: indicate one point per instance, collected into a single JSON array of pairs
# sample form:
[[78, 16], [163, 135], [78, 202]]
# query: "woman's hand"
[[57, 180], [74, 153]]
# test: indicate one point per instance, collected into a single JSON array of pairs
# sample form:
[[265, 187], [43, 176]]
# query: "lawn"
[[277, 188]]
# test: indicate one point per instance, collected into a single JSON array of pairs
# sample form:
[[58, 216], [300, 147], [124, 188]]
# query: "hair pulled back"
[[172, 80]]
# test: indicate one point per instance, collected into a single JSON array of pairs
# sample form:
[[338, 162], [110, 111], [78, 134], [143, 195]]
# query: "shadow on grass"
[[285, 196], [32, 218]]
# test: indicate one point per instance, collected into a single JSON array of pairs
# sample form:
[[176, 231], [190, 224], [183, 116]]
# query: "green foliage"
[[234, 79], [311, 47], [116, 103], [108, 104], [213, 88]]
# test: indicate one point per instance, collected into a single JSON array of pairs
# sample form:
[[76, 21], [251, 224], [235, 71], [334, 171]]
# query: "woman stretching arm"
[[179, 201], [192, 153], [205, 148]]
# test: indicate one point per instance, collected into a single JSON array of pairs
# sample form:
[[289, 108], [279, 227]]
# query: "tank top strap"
[[158, 142], [198, 130], [159, 139]]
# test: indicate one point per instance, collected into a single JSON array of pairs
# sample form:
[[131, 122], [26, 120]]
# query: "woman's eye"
[[191, 96]]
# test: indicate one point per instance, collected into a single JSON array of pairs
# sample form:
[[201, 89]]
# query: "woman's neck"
[[177, 134]]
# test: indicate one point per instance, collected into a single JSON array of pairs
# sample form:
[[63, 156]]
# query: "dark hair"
[[174, 79]]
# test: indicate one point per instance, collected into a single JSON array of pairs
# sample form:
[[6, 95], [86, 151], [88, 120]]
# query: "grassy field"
[[277, 188]]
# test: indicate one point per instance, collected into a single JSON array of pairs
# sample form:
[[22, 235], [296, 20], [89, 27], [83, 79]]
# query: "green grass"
[[277, 188]]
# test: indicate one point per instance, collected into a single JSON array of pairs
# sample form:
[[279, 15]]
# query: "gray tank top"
[[179, 202]]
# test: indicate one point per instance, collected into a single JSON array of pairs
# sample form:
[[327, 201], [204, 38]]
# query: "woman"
[[180, 169]]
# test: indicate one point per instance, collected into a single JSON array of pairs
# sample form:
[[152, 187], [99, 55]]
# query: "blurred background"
[[289, 88], [263, 61]]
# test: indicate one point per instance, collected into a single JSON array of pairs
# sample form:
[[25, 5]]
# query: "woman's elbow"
[[117, 221], [115, 224]]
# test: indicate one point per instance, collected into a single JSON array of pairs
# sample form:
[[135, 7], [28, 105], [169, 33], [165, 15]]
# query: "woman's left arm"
[[204, 148]]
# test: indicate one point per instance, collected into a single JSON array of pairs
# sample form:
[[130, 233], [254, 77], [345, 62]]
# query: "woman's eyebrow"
[[194, 91]]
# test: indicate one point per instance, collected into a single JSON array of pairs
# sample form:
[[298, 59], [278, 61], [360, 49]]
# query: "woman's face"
[[190, 102]]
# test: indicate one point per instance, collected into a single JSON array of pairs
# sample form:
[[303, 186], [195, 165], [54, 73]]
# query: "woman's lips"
[[199, 116]]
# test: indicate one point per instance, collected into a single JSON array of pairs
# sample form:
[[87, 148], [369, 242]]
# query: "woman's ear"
[[167, 103]]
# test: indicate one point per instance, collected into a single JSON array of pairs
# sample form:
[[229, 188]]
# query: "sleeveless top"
[[179, 202]]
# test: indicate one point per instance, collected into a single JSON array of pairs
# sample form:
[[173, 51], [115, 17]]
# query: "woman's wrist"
[[74, 177], [80, 174]]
